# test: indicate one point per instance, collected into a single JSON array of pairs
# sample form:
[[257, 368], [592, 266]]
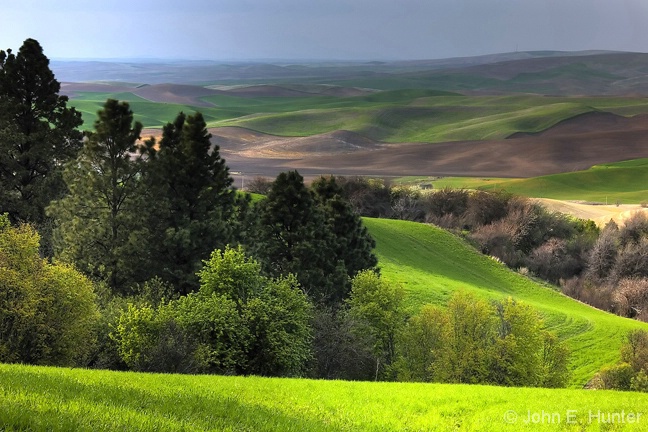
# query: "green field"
[[625, 182], [389, 116], [51, 399]]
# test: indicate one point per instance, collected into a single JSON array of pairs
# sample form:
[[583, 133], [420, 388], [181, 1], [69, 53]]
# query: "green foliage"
[[352, 242], [467, 341], [616, 377], [473, 341], [37, 135], [47, 311], [221, 332], [279, 320], [232, 274], [238, 322], [420, 344], [292, 237], [190, 199], [100, 223], [380, 305]]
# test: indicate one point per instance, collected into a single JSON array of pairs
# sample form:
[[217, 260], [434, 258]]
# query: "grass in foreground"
[[58, 399], [431, 264]]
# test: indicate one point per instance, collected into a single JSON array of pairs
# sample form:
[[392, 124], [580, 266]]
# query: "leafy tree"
[[467, 340], [292, 237], [380, 305], [101, 222], [279, 320], [47, 311], [473, 341], [517, 359], [191, 199], [276, 312], [37, 134], [420, 345]]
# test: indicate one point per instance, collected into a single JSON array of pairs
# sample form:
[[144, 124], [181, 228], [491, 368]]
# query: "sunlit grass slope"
[[626, 182], [431, 264], [51, 399]]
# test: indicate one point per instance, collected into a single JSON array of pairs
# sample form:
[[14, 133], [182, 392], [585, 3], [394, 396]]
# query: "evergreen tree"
[[352, 242], [191, 198], [101, 222], [293, 237], [37, 134]]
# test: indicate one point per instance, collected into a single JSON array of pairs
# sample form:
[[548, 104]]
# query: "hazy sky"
[[321, 29]]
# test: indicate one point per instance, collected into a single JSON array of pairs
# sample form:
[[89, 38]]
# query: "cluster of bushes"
[[605, 268], [473, 341], [632, 372], [616, 276]]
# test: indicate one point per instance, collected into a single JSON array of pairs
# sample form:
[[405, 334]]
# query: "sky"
[[321, 29]]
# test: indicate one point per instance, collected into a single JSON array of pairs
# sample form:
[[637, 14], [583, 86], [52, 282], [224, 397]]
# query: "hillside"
[[623, 182], [431, 263]]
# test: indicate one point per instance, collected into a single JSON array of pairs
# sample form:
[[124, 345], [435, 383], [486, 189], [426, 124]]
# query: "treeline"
[[121, 254], [605, 268]]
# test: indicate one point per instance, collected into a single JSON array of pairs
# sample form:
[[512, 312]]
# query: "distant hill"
[[545, 72]]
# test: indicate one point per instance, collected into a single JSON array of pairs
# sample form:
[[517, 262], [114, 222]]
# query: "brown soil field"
[[575, 144]]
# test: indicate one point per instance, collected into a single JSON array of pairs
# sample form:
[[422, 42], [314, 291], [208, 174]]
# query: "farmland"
[[540, 125]]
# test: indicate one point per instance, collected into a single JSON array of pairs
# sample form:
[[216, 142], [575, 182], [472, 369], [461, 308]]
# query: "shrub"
[[47, 311], [259, 185], [342, 346], [473, 341], [617, 377]]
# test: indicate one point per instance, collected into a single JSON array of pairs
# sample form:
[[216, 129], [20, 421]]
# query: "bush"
[[473, 341], [342, 346], [368, 197], [631, 297], [259, 185], [47, 311], [617, 377]]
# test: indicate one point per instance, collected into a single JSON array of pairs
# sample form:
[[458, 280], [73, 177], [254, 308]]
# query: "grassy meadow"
[[431, 264], [57, 399], [625, 182]]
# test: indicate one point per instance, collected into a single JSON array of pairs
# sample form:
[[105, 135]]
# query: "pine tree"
[[192, 199], [353, 243], [293, 237], [37, 134], [101, 222]]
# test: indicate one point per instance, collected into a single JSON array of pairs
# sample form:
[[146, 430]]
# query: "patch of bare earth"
[[176, 93], [575, 144], [599, 213]]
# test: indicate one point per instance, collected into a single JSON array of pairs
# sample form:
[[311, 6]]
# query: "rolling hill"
[[430, 264]]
